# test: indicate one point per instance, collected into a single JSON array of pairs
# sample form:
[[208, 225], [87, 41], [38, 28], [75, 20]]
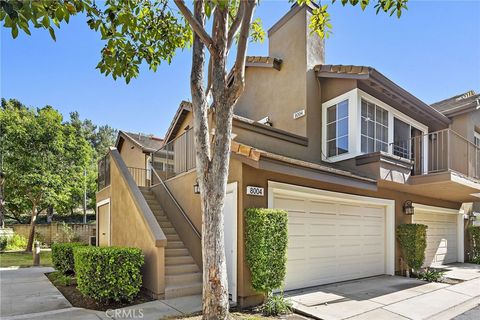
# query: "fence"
[[57, 232]]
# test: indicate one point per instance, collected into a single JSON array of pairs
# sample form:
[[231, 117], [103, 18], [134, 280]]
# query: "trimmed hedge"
[[413, 240], [62, 256], [266, 245], [474, 232], [108, 273]]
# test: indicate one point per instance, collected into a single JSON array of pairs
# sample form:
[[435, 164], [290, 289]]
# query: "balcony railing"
[[176, 157], [103, 172], [141, 176], [446, 151]]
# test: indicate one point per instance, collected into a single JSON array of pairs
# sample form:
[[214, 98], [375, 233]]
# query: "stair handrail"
[[177, 204]]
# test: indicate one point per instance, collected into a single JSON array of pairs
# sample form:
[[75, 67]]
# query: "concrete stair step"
[[161, 218], [175, 245], [169, 230], [183, 279], [181, 268], [183, 290], [172, 237], [172, 261], [165, 224], [176, 252]]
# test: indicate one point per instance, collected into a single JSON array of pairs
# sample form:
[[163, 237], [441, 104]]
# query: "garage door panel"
[[441, 237], [341, 241]]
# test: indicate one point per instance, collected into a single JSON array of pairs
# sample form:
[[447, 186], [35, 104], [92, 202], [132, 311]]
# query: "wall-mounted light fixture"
[[408, 208], [196, 188]]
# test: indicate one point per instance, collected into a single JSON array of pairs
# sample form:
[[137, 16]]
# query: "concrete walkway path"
[[391, 297], [26, 293]]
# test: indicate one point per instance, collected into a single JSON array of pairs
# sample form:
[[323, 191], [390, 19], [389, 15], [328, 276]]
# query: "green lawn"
[[22, 259]]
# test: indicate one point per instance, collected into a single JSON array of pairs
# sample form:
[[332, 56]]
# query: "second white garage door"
[[442, 234], [332, 239]]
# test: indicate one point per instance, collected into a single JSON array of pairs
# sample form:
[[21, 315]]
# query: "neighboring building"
[[343, 148]]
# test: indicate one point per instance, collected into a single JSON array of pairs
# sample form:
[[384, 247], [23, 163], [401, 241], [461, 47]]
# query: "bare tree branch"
[[197, 27], [239, 68], [236, 24]]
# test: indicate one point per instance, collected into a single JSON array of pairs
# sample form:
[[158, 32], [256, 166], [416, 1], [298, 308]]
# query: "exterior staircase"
[[182, 275]]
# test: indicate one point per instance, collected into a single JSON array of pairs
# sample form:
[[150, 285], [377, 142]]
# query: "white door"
[[442, 234], [331, 239], [230, 223]]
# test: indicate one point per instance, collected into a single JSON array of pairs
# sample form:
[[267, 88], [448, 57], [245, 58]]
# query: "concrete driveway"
[[392, 297]]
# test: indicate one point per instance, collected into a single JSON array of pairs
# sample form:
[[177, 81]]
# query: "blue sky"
[[433, 51]]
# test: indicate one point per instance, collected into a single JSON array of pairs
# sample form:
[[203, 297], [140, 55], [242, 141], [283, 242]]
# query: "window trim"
[[476, 135], [354, 98]]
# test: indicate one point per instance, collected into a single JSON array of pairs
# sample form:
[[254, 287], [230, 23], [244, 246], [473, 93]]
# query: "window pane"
[[364, 126], [371, 111], [364, 108], [371, 145], [385, 118], [364, 144], [379, 115], [342, 109], [331, 131], [332, 148], [342, 145], [331, 114], [371, 129], [342, 126], [385, 134], [379, 131]]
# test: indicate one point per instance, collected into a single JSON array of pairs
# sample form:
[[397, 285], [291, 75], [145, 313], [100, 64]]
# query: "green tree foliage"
[[413, 241], [43, 159], [146, 31]]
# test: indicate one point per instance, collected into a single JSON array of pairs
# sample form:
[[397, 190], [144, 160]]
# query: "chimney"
[[291, 37]]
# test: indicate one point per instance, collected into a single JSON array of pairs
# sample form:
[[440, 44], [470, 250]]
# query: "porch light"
[[196, 188], [408, 208]]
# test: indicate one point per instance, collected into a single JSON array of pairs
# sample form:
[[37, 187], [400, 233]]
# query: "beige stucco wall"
[[132, 155], [127, 228], [466, 124]]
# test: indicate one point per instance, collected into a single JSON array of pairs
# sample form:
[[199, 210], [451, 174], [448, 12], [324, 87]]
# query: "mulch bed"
[[77, 299]]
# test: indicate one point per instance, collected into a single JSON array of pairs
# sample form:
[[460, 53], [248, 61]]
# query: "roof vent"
[[466, 95]]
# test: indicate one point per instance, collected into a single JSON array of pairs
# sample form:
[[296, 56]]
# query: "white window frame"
[[476, 137], [354, 98]]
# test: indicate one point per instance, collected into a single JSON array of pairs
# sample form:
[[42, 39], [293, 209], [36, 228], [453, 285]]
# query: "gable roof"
[[465, 102], [375, 83], [183, 109], [148, 143]]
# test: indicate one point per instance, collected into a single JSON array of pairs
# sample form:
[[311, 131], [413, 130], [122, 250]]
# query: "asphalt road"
[[472, 314]]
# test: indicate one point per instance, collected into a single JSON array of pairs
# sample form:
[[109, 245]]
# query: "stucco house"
[[345, 150]]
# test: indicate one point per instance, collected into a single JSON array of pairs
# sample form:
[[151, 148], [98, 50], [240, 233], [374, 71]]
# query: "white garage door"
[[442, 236], [331, 240]]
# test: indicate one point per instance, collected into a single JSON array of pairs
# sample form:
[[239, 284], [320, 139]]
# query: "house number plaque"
[[255, 191]]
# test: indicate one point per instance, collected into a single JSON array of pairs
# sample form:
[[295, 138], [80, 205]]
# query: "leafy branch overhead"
[[146, 31]]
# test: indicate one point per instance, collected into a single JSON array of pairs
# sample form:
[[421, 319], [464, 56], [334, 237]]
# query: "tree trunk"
[[31, 234], [49, 214]]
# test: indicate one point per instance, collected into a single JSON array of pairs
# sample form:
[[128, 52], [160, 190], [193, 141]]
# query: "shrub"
[[413, 241], [431, 275], [108, 273], [276, 305], [3, 243], [16, 242], [266, 245], [60, 279], [62, 256], [474, 232]]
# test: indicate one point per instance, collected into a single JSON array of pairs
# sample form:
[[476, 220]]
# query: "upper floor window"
[[374, 128], [476, 138], [337, 129]]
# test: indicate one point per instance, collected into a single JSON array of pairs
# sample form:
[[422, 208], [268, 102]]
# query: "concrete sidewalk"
[[391, 297], [26, 293]]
